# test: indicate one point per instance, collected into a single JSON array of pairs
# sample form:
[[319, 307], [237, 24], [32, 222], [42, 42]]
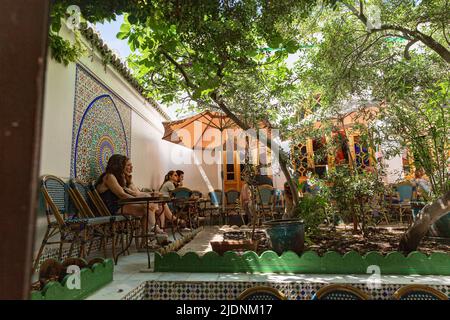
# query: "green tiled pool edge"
[[394, 263], [91, 279]]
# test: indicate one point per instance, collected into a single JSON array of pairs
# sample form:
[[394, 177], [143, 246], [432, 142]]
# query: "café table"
[[140, 200], [192, 207]]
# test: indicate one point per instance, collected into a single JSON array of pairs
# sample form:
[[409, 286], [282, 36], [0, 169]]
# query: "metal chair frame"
[[71, 231], [403, 291]]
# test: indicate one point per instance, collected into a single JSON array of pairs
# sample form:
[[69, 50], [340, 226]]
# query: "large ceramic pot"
[[286, 235], [441, 227]]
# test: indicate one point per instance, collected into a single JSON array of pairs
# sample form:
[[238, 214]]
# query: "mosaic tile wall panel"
[[177, 290], [101, 126]]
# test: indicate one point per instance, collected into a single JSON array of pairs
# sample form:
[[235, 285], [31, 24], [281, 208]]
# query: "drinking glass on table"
[[156, 194]]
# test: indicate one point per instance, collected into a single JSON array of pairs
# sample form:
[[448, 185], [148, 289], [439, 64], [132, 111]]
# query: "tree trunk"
[[283, 157], [435, 46], [427, 216]]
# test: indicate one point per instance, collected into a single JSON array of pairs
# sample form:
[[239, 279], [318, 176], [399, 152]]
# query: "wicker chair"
[[215, 205], [339, 292], [418, 292], [61, 219], [180, 208], [197, 194], [107, 225], [232, 204], [264, 201], [203, 206], [262, 293], [405, 194], [121, 224]]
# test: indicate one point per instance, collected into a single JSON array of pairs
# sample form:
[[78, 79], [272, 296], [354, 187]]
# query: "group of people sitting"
[[117, 183]]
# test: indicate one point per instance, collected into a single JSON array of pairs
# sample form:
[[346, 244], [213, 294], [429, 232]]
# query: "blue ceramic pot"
[[286, 235]]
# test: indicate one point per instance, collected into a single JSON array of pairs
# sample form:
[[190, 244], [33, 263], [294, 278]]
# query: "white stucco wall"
[[151, 156]]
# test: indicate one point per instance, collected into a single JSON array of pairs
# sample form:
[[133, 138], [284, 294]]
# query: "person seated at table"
[[170, 180], [180, 179], [422, 184], [164, 211], [110, 186]]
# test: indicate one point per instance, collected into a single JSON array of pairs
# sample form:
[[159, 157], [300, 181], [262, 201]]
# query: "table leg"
[[127, 222], [147, 235]]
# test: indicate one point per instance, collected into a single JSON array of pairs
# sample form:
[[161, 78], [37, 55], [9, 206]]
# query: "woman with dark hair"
[[180, 179], [166, 188], [168, 185], [163, 211], [111, 186]]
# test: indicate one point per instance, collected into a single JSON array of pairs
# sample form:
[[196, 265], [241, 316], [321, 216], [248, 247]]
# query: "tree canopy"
[[236, 56]]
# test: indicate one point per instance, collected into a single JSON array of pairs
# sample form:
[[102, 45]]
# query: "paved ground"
[[128, 272]]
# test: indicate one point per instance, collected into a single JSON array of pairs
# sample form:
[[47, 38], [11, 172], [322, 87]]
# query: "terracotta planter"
[[229, 245]]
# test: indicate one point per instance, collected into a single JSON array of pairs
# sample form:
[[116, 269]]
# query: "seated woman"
[[110, 186], [180, 179], [130, 188], [170, 180], [422, 184]]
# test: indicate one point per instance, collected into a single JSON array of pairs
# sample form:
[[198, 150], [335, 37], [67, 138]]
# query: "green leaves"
[[291, 46], [125, 29]]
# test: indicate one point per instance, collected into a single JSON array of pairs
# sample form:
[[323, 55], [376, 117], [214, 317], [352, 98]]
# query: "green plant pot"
[[443, 226], [286, 235]]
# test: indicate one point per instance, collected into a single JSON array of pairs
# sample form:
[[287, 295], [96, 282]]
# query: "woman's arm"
[[113, 185]]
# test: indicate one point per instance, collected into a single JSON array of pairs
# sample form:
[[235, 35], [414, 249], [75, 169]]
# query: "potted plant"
[[286, 235]]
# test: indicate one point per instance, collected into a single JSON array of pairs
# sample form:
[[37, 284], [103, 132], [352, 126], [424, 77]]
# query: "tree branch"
[[183, 72], [427, 40], [409, 45]]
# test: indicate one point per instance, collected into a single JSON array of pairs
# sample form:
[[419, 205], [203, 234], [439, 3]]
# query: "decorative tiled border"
[[309, 262], [178, 244], [221, 290]]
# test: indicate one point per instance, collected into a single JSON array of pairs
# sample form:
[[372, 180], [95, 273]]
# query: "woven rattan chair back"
[[56, 196], [262, 293], [181, 193], [215, 197], [79, 192], [418, 292], [339, 292], [232, 196]]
